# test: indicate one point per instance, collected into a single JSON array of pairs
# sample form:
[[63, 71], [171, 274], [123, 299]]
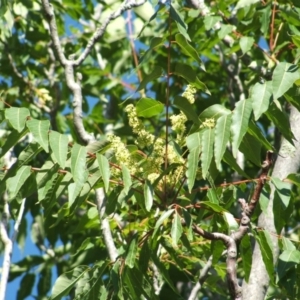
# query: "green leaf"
[[74, 190], [104, 170], [17, 117], [214, 112], [176, 230], [26, 286], [39, 130], [164, 272], [295, 179], [211, 21], [11, 140], [186, 48], [281, 203], [192, 166], [261, 94], [187, 108], [246, 254], [287, 259], [126, 179], [212, 206], [292, 96], [230, 221], [66, 282], [131, 252], [222, 136], [188, 223], [239, 125], [156, 73], [190, 75], [212, 196], [245, 3], [78, 163], [255, 131], [284, 76], [138, 284], [181, 25], [45, 178], [231, 161], [283, 189], [146, 24], [59, 186], [98, 146], [287, 244], [265, 243], [147, 107], [45, 281], [246, 43], [24, 159], [281, 121], [193, 141], [251, 148], [112, 200], [59, 146], [207, 141], [162, 218], [16, 182], [144, 257], [225, 30], [148, 194]]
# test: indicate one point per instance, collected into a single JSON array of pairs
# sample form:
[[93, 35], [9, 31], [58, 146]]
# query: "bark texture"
[[288, 162]]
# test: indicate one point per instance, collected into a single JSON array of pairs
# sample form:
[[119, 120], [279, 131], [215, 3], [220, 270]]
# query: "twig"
[[53, 31], [101, 29], [108, 239], [232, 240], [271, 42], [130, 32], [202, 277]]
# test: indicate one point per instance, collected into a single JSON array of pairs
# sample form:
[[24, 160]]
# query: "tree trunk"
[[288, 162]]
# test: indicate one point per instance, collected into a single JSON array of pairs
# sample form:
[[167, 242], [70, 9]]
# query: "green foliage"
[[199, 91]]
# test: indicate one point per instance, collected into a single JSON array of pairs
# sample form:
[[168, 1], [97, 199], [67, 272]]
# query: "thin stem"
[[168, 98], [271, 43], [130, 33], [8, 243]]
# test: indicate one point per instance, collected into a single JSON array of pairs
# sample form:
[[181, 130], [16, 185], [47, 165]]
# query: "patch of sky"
[[30, 249], [262, 43]]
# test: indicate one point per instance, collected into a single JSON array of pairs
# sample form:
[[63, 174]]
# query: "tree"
[[154, 146]]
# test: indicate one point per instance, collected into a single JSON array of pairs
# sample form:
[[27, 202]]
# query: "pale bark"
[[288, 162]]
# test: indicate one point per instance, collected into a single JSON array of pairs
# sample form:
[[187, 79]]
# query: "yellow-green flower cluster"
[[144, 137], [177, 122], [122, 154], [153, 163], [152, 177], [173, 157], [156, 158], [189, 93], [208, 123]]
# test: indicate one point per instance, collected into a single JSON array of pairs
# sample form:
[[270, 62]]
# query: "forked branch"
[[231, 241]]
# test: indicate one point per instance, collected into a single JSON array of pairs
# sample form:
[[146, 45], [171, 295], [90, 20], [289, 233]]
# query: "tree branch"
[[108, 239], [231, 241], [75, 87], [8, 243], [53, 31], [101, 29], [201, 279]]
